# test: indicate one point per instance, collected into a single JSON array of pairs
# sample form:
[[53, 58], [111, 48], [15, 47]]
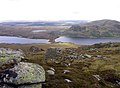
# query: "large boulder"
[[8, 56], [24, 73], [35, 49], [53, 53]]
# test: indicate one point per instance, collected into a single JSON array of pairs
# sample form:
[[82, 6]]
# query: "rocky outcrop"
[[8, 56], [21, 73], [35, 49], [24, 73], [53, 53], [67, 53]]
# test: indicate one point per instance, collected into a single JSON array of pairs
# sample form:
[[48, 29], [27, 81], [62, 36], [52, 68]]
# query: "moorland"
[[69, 65], [76, 66]]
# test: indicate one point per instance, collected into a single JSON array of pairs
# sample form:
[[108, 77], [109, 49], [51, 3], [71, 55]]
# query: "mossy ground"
[[81, 71]]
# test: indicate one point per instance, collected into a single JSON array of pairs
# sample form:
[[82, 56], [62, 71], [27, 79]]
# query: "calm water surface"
[[86, 41], [35, 31], [82, 41], [18, 40]]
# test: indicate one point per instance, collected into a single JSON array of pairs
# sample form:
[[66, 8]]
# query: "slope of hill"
[[95, 29]]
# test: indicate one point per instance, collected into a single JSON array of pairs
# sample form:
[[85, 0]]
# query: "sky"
[[51, 10]]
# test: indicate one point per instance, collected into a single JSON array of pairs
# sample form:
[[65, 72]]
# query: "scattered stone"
[[99, 56], [97, 77], [118, 82], [72, 57], [66, 71], [67, 53], [50, 72], [66, 64], [93, 50], [88, 56], [57, 62], [71, 51], [67, 80], [52, 69], [55, 53]]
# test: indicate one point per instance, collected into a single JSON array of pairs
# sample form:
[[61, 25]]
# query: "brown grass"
[[81, 71]]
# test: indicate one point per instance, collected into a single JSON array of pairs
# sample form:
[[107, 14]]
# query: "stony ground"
[[97, 66]]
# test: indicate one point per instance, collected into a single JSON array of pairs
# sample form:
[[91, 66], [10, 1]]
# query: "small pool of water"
[[35, 31]]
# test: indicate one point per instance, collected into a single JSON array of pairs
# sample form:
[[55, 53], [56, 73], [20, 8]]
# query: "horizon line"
[[52, 20]]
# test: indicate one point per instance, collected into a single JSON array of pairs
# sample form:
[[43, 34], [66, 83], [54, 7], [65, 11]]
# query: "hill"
[[44, 23], [95, 29]]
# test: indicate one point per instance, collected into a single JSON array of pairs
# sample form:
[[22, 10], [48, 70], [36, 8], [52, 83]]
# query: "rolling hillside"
[[95, 29]]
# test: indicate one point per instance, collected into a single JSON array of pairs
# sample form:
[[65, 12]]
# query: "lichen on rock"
[[8, 56], [27, 73]]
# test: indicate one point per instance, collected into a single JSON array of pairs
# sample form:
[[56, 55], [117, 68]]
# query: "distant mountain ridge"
[[45, 23], [95, 29]]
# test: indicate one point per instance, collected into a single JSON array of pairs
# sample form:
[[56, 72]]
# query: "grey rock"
[[50, 72], [67, 64], [8, 56], [118, 82], [5, 86], [88, 56], [99, 56], [68, 80], [97, 77], [35, 49], [25, 73], [53, 53], [66, 71], [52, 69]]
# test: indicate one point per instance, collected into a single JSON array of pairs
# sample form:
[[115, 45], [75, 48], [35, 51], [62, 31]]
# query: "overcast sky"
[[35, 10]]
